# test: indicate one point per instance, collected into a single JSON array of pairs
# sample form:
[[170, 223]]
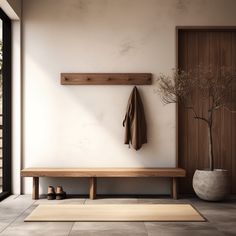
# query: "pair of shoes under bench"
[[58, 195]]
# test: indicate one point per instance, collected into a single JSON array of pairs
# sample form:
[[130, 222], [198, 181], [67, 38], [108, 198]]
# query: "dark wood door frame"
[[193, 29], [178, 29]]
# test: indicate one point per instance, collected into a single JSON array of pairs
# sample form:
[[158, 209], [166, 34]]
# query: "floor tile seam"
[[225, 232], [83, 203], [146, 229], [16, 196], [71, 228], [10, 223], [6, 200]]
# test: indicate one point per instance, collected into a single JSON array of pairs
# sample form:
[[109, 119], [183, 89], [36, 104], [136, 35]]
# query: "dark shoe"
[[60, 194], [51, 193]]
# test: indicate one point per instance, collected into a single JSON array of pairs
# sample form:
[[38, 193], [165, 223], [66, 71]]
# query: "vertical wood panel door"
[[215, 48]]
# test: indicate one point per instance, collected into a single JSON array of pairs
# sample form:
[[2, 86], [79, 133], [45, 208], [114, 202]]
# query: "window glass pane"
[[5, 104]]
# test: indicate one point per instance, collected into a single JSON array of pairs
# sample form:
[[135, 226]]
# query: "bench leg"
[[92, 187], [35, 194], [174, 188]]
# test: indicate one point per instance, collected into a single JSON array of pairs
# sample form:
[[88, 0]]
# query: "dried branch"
[[228, 109], [192, 109], [201, 118], [214, 86]]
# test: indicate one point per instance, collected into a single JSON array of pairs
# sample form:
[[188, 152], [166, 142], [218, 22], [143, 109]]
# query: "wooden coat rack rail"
[[106, 78]]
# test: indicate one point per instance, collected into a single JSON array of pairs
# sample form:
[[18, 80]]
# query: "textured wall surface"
[[81, 126]]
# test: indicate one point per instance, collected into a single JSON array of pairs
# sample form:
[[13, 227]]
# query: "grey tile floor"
[[221, 219]]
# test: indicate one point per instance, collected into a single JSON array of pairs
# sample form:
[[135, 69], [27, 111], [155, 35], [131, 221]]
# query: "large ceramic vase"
[[211, 185]]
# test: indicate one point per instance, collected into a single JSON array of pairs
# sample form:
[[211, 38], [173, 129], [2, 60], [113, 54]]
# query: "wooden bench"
[[94, 173]]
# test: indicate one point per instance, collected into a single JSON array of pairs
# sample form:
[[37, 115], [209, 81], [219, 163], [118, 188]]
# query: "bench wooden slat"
[[103, 172]]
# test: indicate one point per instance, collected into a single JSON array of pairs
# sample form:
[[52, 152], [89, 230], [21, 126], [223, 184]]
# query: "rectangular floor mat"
[[115, 212]]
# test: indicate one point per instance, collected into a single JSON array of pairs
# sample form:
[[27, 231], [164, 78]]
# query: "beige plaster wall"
[[81, 126]]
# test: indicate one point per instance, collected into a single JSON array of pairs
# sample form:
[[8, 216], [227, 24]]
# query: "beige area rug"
[[117, 212]]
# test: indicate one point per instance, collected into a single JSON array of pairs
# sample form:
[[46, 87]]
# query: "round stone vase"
[[211, 185]]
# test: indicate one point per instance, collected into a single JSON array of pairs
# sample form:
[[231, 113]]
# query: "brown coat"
[[135, 122]]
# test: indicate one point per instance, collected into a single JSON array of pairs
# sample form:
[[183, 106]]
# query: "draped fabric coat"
[[135, 122]]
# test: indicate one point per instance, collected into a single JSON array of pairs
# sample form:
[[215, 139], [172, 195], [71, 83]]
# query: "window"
[[5, 105]]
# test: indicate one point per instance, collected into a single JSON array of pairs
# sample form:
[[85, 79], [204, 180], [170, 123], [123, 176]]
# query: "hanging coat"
[[135, 122]]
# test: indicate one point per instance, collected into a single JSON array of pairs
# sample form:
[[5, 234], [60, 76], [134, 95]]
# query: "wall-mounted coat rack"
[[106, 78]]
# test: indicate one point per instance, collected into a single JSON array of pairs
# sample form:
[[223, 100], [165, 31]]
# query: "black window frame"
[[6, 105]]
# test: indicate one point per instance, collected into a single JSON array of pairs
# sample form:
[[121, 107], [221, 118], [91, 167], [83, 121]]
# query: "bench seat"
[[94, 173]]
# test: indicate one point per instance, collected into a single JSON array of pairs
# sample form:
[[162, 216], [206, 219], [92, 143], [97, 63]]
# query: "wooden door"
[[216, 47]]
